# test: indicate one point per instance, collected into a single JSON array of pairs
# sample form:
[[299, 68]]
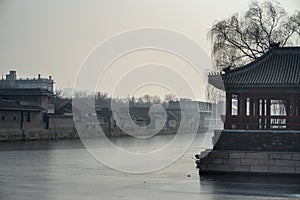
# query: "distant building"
[[11, 81], [139, 114], [25, 108]]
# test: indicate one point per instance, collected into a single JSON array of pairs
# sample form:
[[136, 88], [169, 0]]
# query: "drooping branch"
[[240, 39]]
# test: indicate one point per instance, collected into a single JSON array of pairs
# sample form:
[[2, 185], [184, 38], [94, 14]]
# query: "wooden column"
[[293, 105], [256, 112], [292, 111], [263, 113], [268, 113], [228, 110], [241, 110]]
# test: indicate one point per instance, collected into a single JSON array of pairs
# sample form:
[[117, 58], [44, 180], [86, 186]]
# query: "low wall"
[[58, 133], [61, 122], [250, 162], [259, 140], [36, 134]]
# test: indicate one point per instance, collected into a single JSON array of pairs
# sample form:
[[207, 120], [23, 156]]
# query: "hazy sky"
[[53, 37]]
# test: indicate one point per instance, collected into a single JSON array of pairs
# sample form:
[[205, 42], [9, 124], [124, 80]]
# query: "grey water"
[[64, 169]]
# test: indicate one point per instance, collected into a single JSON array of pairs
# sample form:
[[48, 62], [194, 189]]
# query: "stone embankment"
[[222, 161], [253, 151]]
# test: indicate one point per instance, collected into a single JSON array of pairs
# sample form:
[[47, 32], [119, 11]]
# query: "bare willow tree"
[[170, 97], [101, 95], [242, 38]]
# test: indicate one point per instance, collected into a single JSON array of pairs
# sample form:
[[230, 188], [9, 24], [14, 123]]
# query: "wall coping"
[[259, 131]]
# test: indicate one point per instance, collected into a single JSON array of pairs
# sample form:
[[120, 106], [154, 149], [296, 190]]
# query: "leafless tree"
[[156, 99], [242, 38], [170, 97], [101, 95], [58, 93]]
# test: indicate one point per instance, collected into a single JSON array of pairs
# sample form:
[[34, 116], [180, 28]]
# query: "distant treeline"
[[103, 96]]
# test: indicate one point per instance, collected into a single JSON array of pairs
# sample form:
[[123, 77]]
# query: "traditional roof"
[[279, 67], [12, 105], [25, 91], [63, 106]]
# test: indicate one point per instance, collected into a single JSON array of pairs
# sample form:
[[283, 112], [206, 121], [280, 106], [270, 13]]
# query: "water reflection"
[[252, 185]]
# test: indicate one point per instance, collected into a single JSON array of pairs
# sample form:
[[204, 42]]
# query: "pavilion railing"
[[262, 122]]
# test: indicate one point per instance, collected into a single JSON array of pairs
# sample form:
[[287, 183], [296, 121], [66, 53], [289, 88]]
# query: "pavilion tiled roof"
[[279, 67]]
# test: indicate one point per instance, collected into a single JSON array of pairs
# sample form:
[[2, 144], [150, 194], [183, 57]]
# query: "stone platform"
[[258, 140], [250, 162], [253, 152]]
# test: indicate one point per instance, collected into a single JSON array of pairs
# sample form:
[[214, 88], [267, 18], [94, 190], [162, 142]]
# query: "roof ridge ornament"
[[227, 69], [274, 45]]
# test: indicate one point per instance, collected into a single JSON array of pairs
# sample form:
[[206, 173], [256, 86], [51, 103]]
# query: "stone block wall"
[[61, 122], [258, 140], [250, 162], [36, 134]]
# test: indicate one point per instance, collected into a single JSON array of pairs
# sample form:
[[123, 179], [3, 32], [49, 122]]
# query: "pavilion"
[[264, 94], [262, 124]]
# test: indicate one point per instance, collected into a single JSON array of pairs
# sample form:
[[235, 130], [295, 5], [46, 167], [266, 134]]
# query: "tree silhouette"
[[242, 38]]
